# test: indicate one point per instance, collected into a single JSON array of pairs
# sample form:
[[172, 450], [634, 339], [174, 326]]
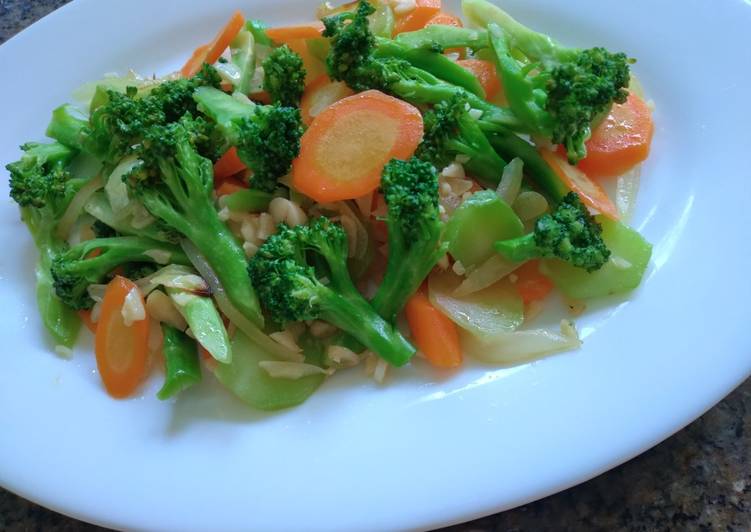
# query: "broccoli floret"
[[558, 92], [451, 131], [42, 185], [569, 233], [301, 274], [92, 261], [364, 62], [119, 120], [410, 189], [181, 195], [284, 76], [267, 137]]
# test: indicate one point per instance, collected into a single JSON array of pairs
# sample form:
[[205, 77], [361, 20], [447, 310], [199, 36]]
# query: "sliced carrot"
[[445, 19], [122, 351], [621, 141], [285, 34], [228, 165], [230, 186], [485, 73], [343, 152], [85, 316], [319, 95], [590, 192], [193, 65], [212, 51], [261, 97], [434, 333], [531, 284], [314, 67], [418, 17]]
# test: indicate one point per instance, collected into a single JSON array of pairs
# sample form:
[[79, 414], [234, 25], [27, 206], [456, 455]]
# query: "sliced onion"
[[96, 292], [166, 277], [626, 190], [520, 346], [530, 205], [253, 333], [486, 274], [117, 191], [280, 369], [511, 181], [488, 312], [76, 207]]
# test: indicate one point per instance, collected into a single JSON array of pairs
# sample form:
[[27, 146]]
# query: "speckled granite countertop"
[[700, 479]]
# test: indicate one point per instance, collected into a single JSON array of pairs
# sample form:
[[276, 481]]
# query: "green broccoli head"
[[352, 44], [286, 285], [92, 262], [267, 137], [569, 233], [582, 90], [410, 189], [450, 132], [301, 273], [41, 175], [557, 92], [267, 143], [284, 76], [119, 120]]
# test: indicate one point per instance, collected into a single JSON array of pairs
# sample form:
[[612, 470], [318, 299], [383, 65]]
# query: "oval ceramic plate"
[[427, 449]]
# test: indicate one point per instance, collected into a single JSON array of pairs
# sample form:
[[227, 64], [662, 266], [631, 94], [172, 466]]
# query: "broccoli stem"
[[403, 277], [436, 64], [67, 126], [225, 256], [356, 317], [519, 249]]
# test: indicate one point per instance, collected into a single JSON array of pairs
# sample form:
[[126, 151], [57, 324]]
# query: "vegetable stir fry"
[[387, 185]]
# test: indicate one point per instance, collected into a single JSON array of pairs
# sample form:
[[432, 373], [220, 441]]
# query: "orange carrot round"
[[418, 17], [210, 53], [531, 284], [434, 333], [621, 141], [228, 165], [343, 152], [319, 95], [285, 34], [121, 350], [445, 19], [590, 192], [485, 73]]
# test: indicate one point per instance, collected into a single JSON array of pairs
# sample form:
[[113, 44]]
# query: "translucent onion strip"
[[520, 346], [76, 207], [511, 181]]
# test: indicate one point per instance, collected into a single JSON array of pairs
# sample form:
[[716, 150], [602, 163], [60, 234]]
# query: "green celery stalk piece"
[[182, 363], [444, 37], [258, 30], [477, 224], [242, 51], [251, 384], [204, 321], [622, 273], [247, 201]]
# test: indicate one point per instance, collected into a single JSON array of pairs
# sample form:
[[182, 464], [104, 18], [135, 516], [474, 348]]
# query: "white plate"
[[427, 449]]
